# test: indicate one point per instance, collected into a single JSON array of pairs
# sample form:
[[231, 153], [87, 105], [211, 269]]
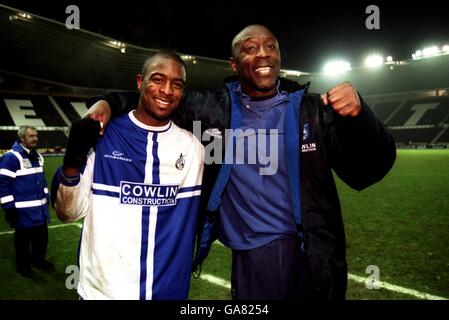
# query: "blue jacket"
[[23, 186]]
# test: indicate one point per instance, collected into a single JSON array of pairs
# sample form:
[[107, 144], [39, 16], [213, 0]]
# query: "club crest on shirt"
[[180, 162], [305, 132], [307, 144]]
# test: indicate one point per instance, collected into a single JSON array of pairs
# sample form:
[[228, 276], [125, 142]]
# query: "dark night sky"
[[308, 34]]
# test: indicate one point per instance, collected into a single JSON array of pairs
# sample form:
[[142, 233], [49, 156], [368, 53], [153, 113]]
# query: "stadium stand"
[[444, 138], [48, 72], [417, 118]]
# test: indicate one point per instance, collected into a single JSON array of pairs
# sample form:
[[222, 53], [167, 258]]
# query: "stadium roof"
[[44, 49], [46, 52]]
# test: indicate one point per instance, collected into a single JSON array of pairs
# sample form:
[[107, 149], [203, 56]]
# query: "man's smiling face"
[[161, 89], [256, 60]]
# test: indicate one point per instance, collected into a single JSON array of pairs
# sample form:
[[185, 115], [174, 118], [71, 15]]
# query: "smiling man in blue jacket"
[[285, 230]]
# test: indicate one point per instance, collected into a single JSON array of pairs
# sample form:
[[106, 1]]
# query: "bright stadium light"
[[430, 51], [336, 67], [117, 45], [21, 16], [295, 73], [187, 57], [417, 54], [374, 60]]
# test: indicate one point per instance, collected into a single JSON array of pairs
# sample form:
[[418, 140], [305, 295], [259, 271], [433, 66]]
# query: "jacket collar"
[[285, 84]]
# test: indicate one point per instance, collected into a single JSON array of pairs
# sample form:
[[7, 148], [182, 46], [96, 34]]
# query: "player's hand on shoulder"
[[100, 111]]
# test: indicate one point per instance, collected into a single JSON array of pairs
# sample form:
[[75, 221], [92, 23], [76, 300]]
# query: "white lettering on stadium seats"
[[22, 113], [147, 194], [420, 109]]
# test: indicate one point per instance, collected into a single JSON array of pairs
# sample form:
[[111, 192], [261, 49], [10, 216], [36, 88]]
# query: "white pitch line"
[[392, 287], [382, 284], [79, 225], [215, 280]]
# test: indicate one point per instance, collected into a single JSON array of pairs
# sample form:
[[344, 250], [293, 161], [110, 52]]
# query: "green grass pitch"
[[400, 225]]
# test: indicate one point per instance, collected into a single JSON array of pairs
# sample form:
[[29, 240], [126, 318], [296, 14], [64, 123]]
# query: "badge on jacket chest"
[[180, 163], [27, 163]]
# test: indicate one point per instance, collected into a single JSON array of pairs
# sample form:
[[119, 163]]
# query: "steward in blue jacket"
[[24, 198]]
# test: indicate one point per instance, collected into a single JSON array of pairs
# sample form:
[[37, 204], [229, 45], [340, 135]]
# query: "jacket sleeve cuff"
[[69, 181]]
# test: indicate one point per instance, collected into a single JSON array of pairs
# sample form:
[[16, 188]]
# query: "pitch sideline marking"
[[395, 288]]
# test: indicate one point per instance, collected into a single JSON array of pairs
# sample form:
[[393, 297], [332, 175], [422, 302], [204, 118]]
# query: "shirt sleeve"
[[72, 195]]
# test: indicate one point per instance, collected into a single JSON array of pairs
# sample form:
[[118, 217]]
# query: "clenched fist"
[[344, 99]]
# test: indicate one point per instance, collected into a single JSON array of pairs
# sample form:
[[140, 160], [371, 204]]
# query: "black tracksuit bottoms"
[[275, 271]]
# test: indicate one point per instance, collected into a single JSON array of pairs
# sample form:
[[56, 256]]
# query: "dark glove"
[[83, 136], [11, 216]]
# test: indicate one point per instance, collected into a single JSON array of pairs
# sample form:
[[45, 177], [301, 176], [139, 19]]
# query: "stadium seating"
[[416, 121], [422, 120], [51, 116]]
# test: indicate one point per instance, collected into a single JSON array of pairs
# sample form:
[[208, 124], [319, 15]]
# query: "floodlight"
[[336, 67], [430, 51], [374, 60]]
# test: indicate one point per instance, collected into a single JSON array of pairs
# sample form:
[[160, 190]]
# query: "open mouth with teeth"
[[162, 102], [265, 70]]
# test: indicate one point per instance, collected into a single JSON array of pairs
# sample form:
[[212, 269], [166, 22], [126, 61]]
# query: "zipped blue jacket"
[[23, 186]]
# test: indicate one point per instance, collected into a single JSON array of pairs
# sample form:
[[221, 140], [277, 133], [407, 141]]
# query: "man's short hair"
[[23, 129], [168, 54]]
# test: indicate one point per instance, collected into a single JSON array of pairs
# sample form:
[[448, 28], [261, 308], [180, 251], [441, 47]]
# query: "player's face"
[[30, 139], [161, 90], [257, 62]]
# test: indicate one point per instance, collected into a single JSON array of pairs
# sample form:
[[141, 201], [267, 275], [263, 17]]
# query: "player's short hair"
[[168, 54]]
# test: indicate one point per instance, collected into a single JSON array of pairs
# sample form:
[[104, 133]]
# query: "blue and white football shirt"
[[139, 195]]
